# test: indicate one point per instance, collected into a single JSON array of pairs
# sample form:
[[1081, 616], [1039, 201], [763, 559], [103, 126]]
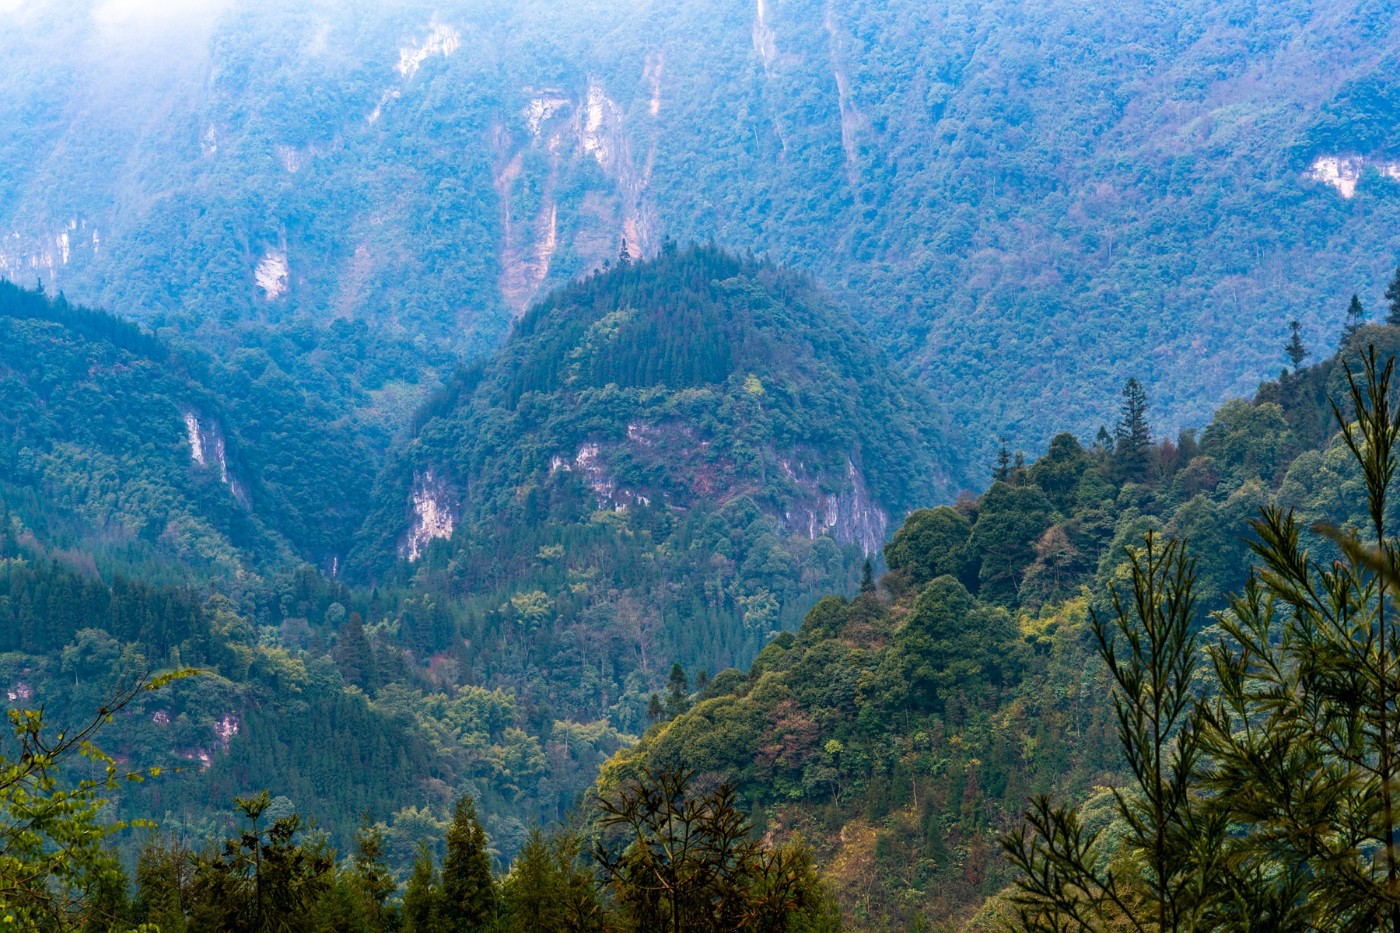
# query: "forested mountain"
[[666, 465], [667, 462], [901, 732], [117, 445], [1028, 203]]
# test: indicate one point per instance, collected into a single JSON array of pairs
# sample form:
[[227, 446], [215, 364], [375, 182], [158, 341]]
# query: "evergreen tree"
[[1132, 437], [469, 894], [1356, 318], [867, 577], [422, 895], [371, 879], [655, 711], [624, 255], [1002, 471], [1392, 297], [1294, 348], [1267, 799], [677, 691]]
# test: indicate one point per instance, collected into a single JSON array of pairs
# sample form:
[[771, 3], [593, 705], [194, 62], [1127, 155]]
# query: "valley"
[[440, 442]]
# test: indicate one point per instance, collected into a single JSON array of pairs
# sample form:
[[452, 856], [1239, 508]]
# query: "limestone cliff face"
[[839, 506], [679, 469], [436, 511], [208, 451]]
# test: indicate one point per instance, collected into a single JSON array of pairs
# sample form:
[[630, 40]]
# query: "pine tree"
[[1132, 436], [422, 894], [1294, 348], [677, 691], [372, 880], [624, 255], [1356, 318], [1392, 296], [867, 577], [655, 711], [1002, 471], [469, 894]]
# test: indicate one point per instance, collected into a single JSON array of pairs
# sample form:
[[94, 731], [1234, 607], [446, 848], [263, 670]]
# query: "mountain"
[[1028, 204], [120, 445], [901, 731], [665, 463]]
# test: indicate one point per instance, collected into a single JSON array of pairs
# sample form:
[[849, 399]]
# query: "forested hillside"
[[901, 732], [667, 464], [1027, 203]]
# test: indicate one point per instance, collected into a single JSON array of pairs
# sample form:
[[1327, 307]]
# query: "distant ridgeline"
[[901, 732], [669, 460]]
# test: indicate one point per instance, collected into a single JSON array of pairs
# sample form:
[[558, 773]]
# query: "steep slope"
[[116, 446], [1028, 203], [902, 731], [669, 459]]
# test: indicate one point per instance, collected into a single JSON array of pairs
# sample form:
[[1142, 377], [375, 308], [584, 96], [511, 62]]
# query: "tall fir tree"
[[469, 896], [1132, 436], [1295, 349], [1356, 318], [1001, 473], [677, 691], [422, 894]]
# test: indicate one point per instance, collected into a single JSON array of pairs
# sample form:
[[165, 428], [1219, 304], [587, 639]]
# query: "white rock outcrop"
[[1344, 172], [434, 514]]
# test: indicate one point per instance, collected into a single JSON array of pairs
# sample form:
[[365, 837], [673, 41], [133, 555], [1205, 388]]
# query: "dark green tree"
[[1132, 437], [422, 895], [674, 859], [930, 543], [1294, 348], [1392, 297], [867, 577], [1355, 320], [1001, 472], [469, 895], [264, 879], [371, 879], [1010, 521], [677, 691]]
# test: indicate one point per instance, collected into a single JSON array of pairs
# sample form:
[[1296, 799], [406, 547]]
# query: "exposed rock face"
[[849, 515], [271, 274], [557, 130], [49, 251], [1344, 172], [818, 503], [208, 451], [442, 40], [435, 514]]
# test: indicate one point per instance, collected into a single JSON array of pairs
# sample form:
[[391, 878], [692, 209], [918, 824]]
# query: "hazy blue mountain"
[[1027, 203]]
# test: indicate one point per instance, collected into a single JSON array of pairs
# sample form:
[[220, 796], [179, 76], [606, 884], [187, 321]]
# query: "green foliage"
[[931, 543], [1262, 797], [675, 859], [56, 870], [469, 896]]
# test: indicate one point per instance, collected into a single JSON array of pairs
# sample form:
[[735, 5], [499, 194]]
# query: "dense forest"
[[882, 750], [755, 451], [1026, 204], [902, 731]]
